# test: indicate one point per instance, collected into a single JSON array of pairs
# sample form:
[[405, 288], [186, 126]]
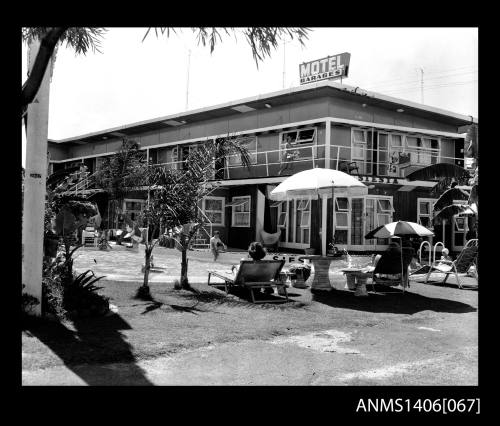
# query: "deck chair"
[[460, 266], [251, 275], [390, 264]]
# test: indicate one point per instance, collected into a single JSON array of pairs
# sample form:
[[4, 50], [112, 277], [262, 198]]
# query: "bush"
[[65, 295], [28, 302], [81, 297]]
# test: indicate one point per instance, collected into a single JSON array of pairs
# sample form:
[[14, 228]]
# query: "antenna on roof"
[[187, 82]]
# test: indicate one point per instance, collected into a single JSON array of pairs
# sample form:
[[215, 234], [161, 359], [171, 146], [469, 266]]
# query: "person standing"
[[216, 245]]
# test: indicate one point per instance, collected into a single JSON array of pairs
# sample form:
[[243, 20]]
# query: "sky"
[[134, 80]]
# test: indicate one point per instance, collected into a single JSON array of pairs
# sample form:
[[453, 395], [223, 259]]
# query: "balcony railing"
[[286, 162]]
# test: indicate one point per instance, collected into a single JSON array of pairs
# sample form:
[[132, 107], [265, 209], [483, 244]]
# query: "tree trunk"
[[184, 269], [147, 266]]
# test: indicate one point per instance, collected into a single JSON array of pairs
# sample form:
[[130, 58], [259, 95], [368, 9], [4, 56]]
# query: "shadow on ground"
[[390, 300], [240, 297], [95, 340]]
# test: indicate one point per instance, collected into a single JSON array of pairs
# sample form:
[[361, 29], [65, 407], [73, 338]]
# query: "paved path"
[[328, 357]]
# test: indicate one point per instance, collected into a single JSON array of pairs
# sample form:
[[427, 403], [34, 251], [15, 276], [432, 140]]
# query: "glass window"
[[342, 204], [214, 210], [341, 219], [424, 207], [241, 213], [341, 236], [460, 224], [384, 205], [359, 136], [412, 142], [303, 204], [396, 141]]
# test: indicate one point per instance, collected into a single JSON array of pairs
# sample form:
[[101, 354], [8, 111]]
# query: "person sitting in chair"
[[256, 252]]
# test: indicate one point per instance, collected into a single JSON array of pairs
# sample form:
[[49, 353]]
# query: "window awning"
[[236, 203]]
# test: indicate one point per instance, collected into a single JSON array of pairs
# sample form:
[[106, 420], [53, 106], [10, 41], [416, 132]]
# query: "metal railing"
[[287, 161]]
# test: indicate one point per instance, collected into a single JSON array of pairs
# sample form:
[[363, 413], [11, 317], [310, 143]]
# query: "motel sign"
[[331, 67]]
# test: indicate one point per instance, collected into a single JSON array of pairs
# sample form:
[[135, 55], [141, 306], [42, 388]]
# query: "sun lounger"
[[460, 266], [253, 275], [388, 269]]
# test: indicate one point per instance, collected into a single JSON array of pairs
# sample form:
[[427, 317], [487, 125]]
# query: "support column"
[[34, 185], [324, 211], [259, 211], [328, 127]]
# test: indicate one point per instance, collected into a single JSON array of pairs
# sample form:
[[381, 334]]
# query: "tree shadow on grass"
[[390, 301], [86, 351], [239, 297]]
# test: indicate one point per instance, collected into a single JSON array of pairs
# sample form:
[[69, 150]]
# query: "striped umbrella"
[[399, 229]]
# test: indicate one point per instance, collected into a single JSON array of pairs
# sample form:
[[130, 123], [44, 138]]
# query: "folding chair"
[[460, 266]]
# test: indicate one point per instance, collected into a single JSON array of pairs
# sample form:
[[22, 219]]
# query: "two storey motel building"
[[379, 139]]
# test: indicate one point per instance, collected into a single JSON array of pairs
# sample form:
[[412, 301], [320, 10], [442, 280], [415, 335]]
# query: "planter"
[[310, 251]]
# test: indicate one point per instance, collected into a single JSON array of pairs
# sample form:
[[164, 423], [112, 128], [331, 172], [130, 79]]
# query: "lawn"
[[179, 320]]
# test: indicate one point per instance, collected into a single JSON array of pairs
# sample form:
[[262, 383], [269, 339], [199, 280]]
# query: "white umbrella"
[[399, 228], [316, 182]]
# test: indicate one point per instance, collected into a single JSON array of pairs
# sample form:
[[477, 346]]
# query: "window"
[[302, 221], [282, 214], [294, 220], [341, 220], [297, 144], [359, 144], [241, 211], [214, 210], [303, 213], [383, 153], [397, 141], [384, 211], [299, 137], [425, 211], [250, 143], [460, 224], [133, 207]]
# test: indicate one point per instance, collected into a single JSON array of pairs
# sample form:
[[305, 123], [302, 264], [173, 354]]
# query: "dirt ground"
[[427, 336]]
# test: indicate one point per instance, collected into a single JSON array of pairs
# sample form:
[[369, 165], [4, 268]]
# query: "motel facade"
[[377, 138]]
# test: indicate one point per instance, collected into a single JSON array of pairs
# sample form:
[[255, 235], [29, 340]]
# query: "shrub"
[[81, 297], [28, 302]]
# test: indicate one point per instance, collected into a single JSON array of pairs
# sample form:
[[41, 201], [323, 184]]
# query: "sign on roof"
[[331, 67]]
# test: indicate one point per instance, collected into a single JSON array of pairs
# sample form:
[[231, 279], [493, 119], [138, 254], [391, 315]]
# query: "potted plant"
[[332, 250]]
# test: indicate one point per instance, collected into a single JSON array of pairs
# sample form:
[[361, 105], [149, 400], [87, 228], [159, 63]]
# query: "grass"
[[179, 320]]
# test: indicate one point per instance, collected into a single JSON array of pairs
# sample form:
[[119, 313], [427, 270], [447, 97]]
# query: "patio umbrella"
[[316, 182], [400, 228]]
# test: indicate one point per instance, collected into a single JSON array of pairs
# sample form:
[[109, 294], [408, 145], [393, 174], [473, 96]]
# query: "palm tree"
[[175, 197]]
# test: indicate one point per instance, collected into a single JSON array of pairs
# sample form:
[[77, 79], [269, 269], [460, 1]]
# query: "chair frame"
[[471, 243], [239, 280], [403, 281]]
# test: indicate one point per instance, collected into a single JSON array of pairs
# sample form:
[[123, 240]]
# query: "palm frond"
[[439, 171], [447, 198]]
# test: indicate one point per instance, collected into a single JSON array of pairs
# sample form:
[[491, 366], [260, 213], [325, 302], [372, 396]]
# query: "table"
[[356, 280], [319, 280]]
